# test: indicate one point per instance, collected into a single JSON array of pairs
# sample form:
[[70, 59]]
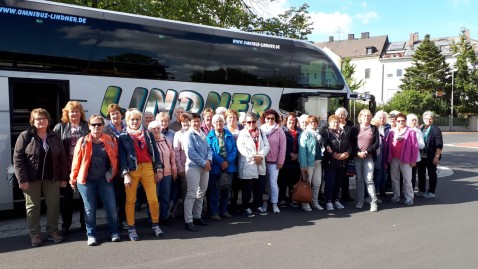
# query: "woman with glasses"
[[95, 164], [253, 148], [431, 155], [139, 162], [402, 156], [73, 125], [275, 158], [412, 122], [41, 167]]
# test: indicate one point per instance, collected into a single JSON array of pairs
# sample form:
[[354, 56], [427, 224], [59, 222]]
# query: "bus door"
[[27, 94], [6, 193]]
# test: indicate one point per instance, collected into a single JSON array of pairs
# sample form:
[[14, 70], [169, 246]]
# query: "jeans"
[[424, 165], [51, 192], [105, 190], [364, 174], [380, 178], [217, 199], [333, 180], [273, 173], [396, 166], [314, 176], [196, 180], [163, 189]]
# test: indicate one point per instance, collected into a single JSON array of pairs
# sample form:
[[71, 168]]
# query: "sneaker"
[[92, 241], [395, 199], [338, 205], [306, 207], [429, 195], [226, 215], [124, 225], [329, 206], [36, 240], [379, 201], [264, 206], [157, 231], [408, 202], [261, 212], [420, 194], [275, 209], [115, 238], [133, 236], [248, 213], [373, 207], [283, 203], [55, 237], [316, 206], [359, 205], [368, 200], [216, 217], [294, 204]]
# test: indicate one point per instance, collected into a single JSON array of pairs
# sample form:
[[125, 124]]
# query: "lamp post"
[[452, 88]]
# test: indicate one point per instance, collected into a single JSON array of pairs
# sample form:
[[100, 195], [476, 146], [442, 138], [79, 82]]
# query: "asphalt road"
[[433, 233]]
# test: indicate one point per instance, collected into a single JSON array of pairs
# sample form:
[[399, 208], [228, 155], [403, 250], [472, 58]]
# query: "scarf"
[[255, 137], [268, 129], [137, 136], [399, 134]]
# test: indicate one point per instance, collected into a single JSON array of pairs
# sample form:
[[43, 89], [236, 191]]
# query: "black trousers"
[[424, 165], [288, 177], [67, 207], [256, 188]]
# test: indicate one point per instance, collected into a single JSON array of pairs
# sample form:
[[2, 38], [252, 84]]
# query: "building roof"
[[357, 48]]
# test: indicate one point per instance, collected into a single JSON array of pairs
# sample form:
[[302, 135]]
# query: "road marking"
[[470, 145]]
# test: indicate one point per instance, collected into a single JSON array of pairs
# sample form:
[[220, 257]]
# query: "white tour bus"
[[51, 53]]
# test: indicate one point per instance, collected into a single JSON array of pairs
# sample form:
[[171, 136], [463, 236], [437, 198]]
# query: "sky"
[[397, 19]]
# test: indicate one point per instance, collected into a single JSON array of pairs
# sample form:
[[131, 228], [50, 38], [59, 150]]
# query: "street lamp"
[[452, 88]]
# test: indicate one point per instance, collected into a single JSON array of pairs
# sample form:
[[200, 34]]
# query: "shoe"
[[379, 201], [329, 206], [395, 199], [115, 238], [429, 195], [316, 206], [294, 204], [216, 217], [248, 213], [349, 199], [65, 231], [36, 240], [306, 207], [157, 231], [408, 202], [275, 209], [55, 237], [92, 241], [166, 222], [368, 200], [338, 205], [200, 222], [124, 225], [373, 207], [226, 215], [283, 203], [190, 227], [261, 212], [359, 205], [264, 206], [133, 236], [420, 194]]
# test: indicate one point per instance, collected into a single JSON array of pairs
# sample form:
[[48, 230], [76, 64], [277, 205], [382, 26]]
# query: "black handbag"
[[11, 178], [225, 182]]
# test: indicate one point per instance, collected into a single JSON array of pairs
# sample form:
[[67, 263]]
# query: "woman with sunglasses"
[[402, 156], [95, 164], [253, 147], [139, 162]]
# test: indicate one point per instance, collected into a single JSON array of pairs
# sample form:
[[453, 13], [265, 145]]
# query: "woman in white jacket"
[[412, 122], [253, 147]]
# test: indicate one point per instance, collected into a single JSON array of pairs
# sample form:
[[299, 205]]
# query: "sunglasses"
[[250, 122], [270, 118], [96, 124]]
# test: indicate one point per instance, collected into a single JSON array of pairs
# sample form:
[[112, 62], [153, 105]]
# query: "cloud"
[[365, 18], [331, 23]]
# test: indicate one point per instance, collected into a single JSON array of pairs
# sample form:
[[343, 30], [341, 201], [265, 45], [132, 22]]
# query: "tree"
[[428, 74], [348, 70], [466, 77], [412, 101]]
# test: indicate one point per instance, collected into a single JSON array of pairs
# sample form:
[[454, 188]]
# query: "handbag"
[[351, 167], [11, 178], [225, 182], [302, 192]]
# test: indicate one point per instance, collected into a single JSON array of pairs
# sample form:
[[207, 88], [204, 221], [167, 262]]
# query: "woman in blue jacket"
[[224, 153]]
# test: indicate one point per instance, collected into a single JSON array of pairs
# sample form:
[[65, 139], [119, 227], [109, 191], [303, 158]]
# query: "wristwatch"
[[160, 170]]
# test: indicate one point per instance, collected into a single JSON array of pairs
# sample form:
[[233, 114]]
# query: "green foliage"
[[348, 71], [417, 102]]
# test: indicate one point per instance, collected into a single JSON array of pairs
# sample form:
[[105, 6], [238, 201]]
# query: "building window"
[[399, 72], [367, 73], [369, 50]]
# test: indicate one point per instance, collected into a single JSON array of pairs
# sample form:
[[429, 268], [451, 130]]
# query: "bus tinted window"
[[311, 68], [251, 60], [152, 51]]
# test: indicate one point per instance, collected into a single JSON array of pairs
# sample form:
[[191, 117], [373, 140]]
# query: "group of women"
[[215, 158]]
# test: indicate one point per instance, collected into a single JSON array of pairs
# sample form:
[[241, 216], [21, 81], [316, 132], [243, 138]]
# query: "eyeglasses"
[[96, 124], [41, 118], [135, 119], [270, 118], [251, 122], [400, 120]]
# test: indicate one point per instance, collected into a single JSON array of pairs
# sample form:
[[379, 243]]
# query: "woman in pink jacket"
[[402, 156], [276, 156]]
